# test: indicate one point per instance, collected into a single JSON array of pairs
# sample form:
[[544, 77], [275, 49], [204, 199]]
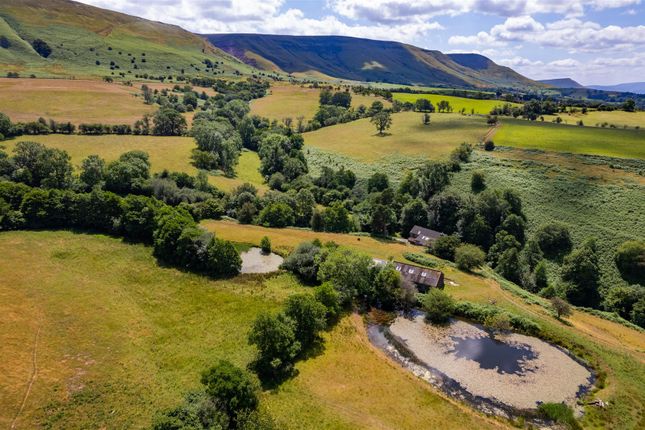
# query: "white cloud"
[[585, 72], [259, 16], [571, 34], [388, 11]]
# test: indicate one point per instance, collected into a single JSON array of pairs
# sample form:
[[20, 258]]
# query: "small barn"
[[423, 236], [421, 277]]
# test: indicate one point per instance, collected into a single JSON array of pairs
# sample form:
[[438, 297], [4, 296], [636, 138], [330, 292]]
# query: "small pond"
[[499, 373], [255, 261], [492, 353]]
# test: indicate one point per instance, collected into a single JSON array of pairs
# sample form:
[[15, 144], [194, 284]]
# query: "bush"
[[329, 297], [230, 388], [446, 246], [223, 258], [554, 240], [276, 214], [265, 244], [420, 259], [500, 321], [560, 413], [438, 305], [303, 262], [275, 338], [349, 271], [630, 260], [482, 313], [309, 316], [469, 257], [489, 145], [41, 47], [478, 182], [560, 307]]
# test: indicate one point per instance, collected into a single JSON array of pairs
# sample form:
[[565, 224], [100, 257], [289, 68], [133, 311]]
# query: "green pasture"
[[408, 136], [623, 143], [481, 107]]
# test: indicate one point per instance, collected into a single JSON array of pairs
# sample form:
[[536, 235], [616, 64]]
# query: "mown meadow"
[[477, 106], [408, 138], [76, 101], [623, 143], [292, 101]]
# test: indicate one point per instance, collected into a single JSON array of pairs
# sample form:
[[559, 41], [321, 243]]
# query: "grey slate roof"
[[423, 236]]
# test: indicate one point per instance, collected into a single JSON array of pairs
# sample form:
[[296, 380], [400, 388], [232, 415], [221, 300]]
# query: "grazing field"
[[114, 338], [601, 202], [293, 101], [563, 138], [407, 137], [481, 107], [593, 118], [76, 101], [171, 153]]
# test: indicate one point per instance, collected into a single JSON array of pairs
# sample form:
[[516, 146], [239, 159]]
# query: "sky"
[[598, 42]]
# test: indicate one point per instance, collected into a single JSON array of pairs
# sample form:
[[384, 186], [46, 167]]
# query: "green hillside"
[[88, 41], [367, 60]]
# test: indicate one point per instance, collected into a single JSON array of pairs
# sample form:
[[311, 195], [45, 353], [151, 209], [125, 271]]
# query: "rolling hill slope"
[[89, 41], [367, 60], [562, 83]]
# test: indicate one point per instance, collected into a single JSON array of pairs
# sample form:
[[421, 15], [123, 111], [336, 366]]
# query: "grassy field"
[[482, 107], [563, 138], [171, 153], [115, 337], [76, 101], [593, 118], [292, 101], [407, 137], [592, 200]]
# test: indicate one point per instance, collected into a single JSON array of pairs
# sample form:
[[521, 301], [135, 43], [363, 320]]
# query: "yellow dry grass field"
[[407, 136], [76, 101], [114, 338], [166, 153], [169, 86], [293, 101]]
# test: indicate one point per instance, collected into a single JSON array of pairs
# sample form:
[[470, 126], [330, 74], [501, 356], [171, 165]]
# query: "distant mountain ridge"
[[562, 83], [367, 60], [629, 87]]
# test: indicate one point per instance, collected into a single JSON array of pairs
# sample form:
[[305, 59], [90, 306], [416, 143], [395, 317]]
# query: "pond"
[[255, 261], [492, 353], [499, 373]]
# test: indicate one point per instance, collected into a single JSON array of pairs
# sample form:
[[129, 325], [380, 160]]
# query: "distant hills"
[[367, 60], [562, 83], [89, 41], [630, 87]]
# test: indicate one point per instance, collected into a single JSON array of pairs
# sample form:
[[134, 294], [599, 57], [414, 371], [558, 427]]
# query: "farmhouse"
[[422, 277], [423, 236]]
